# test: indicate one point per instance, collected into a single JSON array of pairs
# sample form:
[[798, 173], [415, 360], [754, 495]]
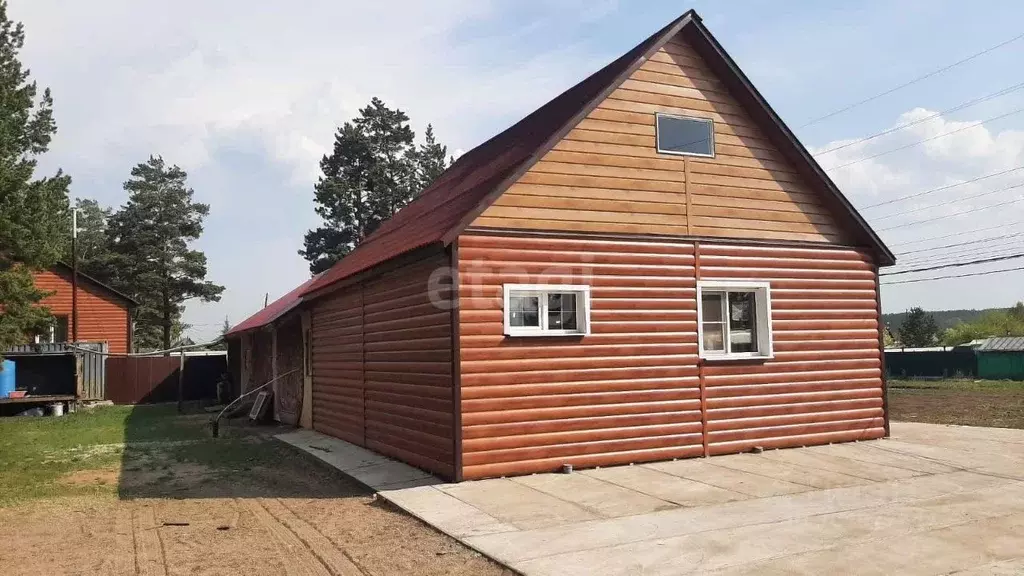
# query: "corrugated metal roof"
[[1002, 344], [461, 188], [448, 205], [274, 310]]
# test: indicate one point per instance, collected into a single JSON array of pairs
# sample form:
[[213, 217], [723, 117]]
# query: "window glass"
[[562, 311], [714, 324], [524, 311], [742, 322], [685, 136], [60, 329]]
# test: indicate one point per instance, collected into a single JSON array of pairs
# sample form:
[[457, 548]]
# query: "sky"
[[246, 96]]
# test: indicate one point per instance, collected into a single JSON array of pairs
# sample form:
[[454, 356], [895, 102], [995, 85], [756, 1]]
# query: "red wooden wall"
[[631, 391], [101, 316], [382, 366]]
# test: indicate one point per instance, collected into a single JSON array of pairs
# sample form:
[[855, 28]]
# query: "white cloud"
[[940, 152], [228, 89]]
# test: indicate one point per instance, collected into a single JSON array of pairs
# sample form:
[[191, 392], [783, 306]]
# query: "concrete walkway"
[[930, 500]]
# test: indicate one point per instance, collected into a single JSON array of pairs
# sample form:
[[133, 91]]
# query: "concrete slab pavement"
[[932, 500]]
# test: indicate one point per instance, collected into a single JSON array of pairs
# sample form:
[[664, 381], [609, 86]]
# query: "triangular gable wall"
[[607, 176]]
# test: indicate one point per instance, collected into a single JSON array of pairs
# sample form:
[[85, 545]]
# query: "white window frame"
[[762, 308], [657, 135], [542, 291]]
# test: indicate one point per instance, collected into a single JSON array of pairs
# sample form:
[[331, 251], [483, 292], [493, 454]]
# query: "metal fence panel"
[[955, 363]]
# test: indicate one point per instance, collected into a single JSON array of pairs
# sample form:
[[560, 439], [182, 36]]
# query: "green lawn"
[[95, 451]]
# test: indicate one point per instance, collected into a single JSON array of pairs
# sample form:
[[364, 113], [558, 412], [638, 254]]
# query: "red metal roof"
[[454, 200], [462, 188], [273, 311]]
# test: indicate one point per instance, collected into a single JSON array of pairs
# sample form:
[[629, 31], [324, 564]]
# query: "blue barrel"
[[6, 378]]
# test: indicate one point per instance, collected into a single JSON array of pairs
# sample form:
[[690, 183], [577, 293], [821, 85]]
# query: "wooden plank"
[[607, 227], [588, 204], [520, 190], [604, 176]]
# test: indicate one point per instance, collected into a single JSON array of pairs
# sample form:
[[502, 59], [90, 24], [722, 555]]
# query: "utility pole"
[[74, 275]]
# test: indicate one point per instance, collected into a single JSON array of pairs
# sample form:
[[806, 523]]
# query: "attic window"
[[685, 136]]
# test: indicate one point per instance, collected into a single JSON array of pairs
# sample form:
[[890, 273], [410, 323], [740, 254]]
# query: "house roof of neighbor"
[[1002, 344], [67, 269], [479, 176], [273, 311]]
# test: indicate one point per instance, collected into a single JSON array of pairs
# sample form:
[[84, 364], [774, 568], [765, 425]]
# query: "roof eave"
[[132, 303]]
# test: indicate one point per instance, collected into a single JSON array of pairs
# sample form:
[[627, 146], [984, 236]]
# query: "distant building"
[[1001, 358], [104, 314]]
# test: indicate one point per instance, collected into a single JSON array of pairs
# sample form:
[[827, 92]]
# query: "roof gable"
[[66, 270], [479, 177], [607, 176]]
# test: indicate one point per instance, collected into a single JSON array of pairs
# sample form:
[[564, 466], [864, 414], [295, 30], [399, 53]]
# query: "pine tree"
[[149, 239], [93, 248], [918, 329], [32, 211], [373, 171], [431, 159]]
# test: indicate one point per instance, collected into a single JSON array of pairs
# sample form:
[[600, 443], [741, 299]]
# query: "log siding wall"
[[382, 365], [607, 176], [632, 390], [101, 318]]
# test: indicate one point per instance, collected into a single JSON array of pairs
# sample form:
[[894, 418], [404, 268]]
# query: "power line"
[[936, 137], [911, 82], [954, 234], [941, 188], [956, 244], [967, 104], [960, 249], [958, 264], [944, 216], [955, 256], [986, 273], [948, 202]]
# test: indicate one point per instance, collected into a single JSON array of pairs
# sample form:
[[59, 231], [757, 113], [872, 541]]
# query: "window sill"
[[543, 334], [736, 357]]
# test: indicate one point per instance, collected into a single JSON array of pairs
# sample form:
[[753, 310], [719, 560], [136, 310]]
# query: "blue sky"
[[246, 96]]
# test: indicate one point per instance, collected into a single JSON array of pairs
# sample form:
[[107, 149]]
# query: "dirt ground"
[[967, 403], [247, 505]]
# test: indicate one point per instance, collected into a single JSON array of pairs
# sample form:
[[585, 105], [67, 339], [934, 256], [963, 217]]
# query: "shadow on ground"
[[172, 455]]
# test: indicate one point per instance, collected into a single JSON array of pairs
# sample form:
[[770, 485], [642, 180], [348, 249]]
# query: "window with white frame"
[[546, 310], [734, 319]]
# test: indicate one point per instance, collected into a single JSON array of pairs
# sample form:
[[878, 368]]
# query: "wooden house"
[[649, 266], [104, 314]]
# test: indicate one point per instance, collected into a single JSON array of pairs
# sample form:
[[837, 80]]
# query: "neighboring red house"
[[649, 266], [104, 314]]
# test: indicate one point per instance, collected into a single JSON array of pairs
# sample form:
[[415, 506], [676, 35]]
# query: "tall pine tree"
[[149, 239], [93, 248], [32, 211], [374, 170]]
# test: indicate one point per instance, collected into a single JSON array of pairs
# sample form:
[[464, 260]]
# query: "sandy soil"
[[183, 518]]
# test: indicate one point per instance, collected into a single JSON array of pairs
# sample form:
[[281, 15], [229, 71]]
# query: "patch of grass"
[[35, 453]]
